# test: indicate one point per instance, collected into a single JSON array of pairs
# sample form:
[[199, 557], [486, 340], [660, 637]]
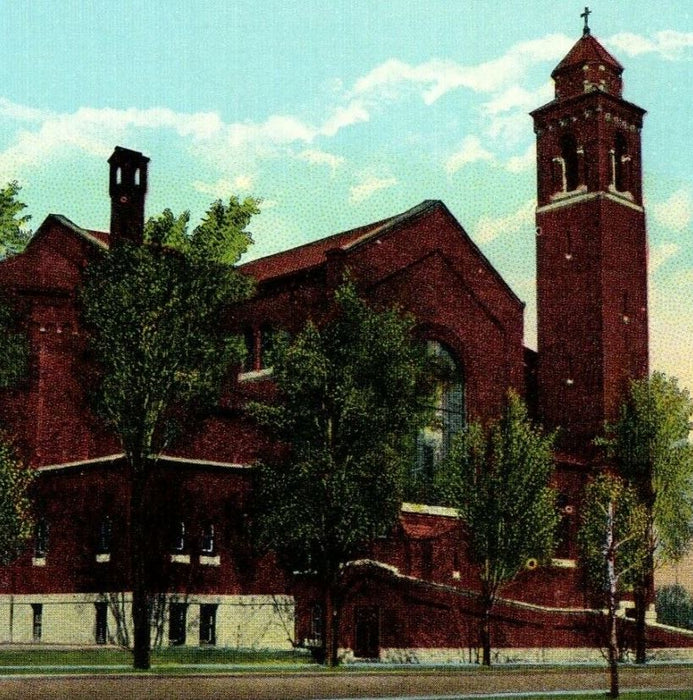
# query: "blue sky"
[[341, 113]]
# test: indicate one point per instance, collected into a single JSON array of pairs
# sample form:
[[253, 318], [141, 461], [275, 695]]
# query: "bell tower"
[[128, 189], [591, 246]]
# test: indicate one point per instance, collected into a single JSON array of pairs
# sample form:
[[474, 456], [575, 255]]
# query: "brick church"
[[411, 596]]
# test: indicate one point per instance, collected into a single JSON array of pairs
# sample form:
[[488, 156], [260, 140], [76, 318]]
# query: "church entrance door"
[[367, 631]]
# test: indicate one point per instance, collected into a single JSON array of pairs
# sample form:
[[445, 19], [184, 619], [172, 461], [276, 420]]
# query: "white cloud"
[[668, 44], [94, 131], [489, 228], [314, 156], [22, 113], [676, 212], [223, 187], [369, 186], [352, 113], [508, 111], [435, 78], [658, 255], [470, 151], [524, 162]]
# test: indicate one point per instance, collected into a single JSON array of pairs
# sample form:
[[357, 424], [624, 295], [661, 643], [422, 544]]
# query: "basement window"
[[176, 623], [208, 625], [37, 621]]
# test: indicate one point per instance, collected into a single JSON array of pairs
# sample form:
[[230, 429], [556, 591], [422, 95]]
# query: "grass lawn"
[[166, 657], [586, 695]]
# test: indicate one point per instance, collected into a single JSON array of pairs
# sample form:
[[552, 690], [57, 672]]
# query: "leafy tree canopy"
[[499, 481], [674, 606], [16, 522], [14, 349], [220, 237], [14, 234], [609, 502], [650, 446], [155, 313], [350, 403]]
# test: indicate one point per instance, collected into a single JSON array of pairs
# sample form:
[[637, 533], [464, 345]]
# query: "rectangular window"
[[208, 625], [37, 623], [426, 559], [207, 545], [104, 544], [178, 539], [101, 626], [316, 622], [176, 623], [41, 539]]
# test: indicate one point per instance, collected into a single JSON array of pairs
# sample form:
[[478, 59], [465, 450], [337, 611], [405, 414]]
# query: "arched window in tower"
[[448, 413], [119, 176], [621, 164], [137, 177], [569, 154]]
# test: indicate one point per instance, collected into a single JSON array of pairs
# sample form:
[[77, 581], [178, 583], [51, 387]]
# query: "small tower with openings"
[[591, 246], [128, 189]]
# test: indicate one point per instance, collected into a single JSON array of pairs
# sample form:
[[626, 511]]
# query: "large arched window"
[[448, 413]]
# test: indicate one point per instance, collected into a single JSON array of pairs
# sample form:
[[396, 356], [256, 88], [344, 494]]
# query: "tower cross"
[[586, 28]]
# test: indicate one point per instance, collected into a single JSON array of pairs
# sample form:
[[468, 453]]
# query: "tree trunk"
[[612, 653], [612, 590], [140, 593], [641, 597], [486, 633], [328, 623]]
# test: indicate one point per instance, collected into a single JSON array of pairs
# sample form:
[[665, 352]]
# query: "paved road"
[[304, 686]]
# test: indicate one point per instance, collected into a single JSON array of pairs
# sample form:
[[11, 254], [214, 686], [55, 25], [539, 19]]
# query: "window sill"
[[207, 560], [180, 558], [38, 561], [256, 375], [564, 563], [103, 558], [621, 193], [569, 193]]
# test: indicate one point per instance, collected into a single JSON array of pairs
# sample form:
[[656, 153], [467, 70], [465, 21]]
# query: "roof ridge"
[[85, 233], [366, 228]]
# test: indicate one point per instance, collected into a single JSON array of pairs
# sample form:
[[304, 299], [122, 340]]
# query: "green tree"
[[674, 606], [14, 231], [613, 551], [154, 314], [14, 235], [350, 403], [498, 479], [16, 520], [650, 448]]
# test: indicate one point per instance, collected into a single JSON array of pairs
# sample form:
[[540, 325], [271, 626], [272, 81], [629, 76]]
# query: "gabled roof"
[[98, 238], [587, 50], [314, 254]]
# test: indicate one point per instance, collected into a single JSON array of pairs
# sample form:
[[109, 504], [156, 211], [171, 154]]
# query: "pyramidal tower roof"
[[587, 50], [586, 67]]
